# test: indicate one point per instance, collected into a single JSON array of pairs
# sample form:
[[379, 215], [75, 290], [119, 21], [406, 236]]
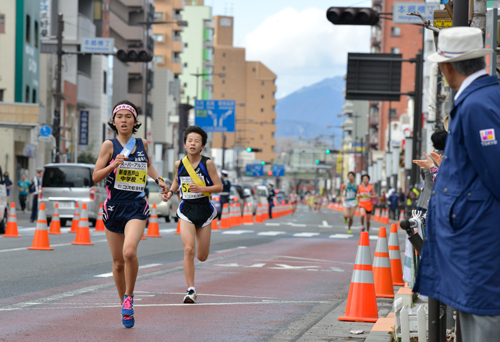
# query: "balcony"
[[135, 68], [373, 121], [85, 92], [348, 107], [208, 24], [86, 27], [347, 140], [177, 46], [373, 141], [177, 36], [176, 68], [177, 16], [208, 44], [376, 41], [132, 3], [178, 4], [347, 125], [123, 29]]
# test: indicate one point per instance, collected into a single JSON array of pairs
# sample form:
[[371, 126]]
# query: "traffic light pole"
[[56, 126]]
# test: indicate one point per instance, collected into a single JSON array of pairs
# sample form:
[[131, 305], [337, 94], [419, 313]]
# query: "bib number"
[[186, 193], [350, 195], [131, 176]]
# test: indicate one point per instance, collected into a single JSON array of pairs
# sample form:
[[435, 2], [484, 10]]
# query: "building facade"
[[252, 85]]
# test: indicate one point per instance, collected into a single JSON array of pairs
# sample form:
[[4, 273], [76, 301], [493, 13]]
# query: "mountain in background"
[[307, 112]]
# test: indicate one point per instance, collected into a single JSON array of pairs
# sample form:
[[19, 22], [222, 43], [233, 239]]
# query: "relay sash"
[[193, 175]]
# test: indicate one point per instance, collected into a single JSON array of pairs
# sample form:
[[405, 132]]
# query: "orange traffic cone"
[[376, 217], [143, 237], [361, 302], [178, 231], [224, 222], [153, 227], [41, 238], [99, 224], [247, 215], [401, 215], [11, 229], [382, 267], [55, 223], [386, 217], [395, 257], [83, 233], [258, 214], [214, 224], [76, 219]]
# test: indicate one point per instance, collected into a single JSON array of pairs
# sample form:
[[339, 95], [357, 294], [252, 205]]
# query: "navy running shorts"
[[199, 214], [116, 214]]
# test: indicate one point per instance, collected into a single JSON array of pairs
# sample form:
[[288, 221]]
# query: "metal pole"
[[145, 87], [57, 109], [461, 13], [417, 117], [223, 150]]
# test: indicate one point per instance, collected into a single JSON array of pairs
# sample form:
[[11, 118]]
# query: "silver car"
[[166, 210], [68, 184]]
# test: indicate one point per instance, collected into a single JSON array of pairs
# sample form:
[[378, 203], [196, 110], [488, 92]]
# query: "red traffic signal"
[[352, 16], [134, 55]]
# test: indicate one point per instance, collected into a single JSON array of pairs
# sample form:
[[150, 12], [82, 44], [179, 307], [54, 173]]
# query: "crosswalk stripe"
[[340, 236], [237, 232], [270, 233], [305, 234]]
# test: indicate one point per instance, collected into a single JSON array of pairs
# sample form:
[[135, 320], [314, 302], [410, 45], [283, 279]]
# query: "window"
[[222, 95], [33, 99], [253, 69], [262, 82], [2, 23], [185, 85], [158, 59], [28, 28], [395, 31], [36, 34], [185, 65], [262, 136], [185, 45], [158, 15], [262, 110], [375, 49], [104, 82], [395, 50], [262, 96], [158, 37], [223, 81], [223, 68], [223, 54], [1, 95], [393, 113], [27, 95]]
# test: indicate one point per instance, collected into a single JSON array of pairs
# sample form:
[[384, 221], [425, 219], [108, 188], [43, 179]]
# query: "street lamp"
[[221, 75]]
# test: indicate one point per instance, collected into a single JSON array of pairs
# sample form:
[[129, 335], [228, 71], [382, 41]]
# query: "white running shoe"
[[190, 298]]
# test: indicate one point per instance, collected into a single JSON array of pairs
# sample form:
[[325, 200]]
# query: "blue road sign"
[[97, 45], [254, 170], [401, 9], [278, 170], [215, 115], [45, 131]]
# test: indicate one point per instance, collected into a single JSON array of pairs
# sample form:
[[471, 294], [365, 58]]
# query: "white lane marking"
[[110, 274], [272, 224], [204, 295], [305, 234], [233, 264], [340, 236], [237, 232], [271, 233], [257, 265], [231, 249], [325, 225], [296, 224], [310, 259], [26, 229], [56, 245], [167, 231], [336, 269], [373, 237], [289, 267]]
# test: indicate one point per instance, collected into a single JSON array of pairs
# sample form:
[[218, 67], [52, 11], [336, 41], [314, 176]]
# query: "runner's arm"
[[175, 184], [217, 184], [101, 171]]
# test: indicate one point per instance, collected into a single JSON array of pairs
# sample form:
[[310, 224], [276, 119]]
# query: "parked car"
[[250, 197], [167, 210], [262, 194], [234, 197], [4, 207], [68, 184]]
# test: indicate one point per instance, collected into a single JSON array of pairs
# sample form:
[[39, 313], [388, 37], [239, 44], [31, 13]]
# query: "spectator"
[[35, 184], [438, 139], [8, 184], [460, 264], [226, 189], [393, 202], [270, 199], [23, 186]]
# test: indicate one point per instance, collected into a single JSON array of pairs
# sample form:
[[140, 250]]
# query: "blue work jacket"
[[460, 263]]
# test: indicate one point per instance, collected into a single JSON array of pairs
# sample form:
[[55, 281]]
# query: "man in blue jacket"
[[460, 263]]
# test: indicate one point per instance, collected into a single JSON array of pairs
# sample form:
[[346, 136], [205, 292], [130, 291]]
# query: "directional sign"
[[401, 9], [215, 115], [278, 170], [45, 131], [254, 170], [97, 45]]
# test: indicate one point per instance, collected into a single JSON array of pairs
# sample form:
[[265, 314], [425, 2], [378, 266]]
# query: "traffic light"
[[317, 161], [262, 163], [251, 149], [134, 55], [352, 16], [327, 151], [269, 173]]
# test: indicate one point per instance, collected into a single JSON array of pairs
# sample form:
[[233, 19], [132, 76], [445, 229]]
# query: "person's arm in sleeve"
[[484, 150], [434, 173]]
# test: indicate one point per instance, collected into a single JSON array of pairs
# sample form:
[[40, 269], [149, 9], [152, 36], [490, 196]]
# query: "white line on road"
[[110, 274], [271, 233], [305, 234], [340, 236], [57, 245], [167, 231], [257, 265], [231, 249], [272, 224], [296, 224], [237, 232], [373, 237], [325, 225]]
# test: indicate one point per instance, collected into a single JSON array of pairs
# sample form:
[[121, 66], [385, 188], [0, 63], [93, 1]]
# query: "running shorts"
[[199, 214], [367, 205], [116, 214], [349, 204]]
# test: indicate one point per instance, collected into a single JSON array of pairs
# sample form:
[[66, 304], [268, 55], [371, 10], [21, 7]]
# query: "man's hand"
[[119, 160], [167, 196], [437, 158], [425, 164], [195, 188]]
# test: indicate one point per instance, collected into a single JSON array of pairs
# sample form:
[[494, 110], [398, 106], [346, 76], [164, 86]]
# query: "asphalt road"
[[262, 282]]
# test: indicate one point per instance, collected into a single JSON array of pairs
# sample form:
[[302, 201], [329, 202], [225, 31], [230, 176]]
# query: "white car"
[[167, 210]]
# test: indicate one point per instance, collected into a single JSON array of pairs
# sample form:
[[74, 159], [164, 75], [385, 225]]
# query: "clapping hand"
[[425, 164]]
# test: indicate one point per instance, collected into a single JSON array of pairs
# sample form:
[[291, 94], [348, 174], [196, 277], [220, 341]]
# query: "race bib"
[[350, 194], [186, 193], [131, 176]]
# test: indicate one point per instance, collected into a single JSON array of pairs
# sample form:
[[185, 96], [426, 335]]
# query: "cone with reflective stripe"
[[247, 215], [76, 219], [258, 214], [376, 217], [401, 215], [11, 229], [99, 224], [41, 238], [224, 222], [361, 302], [386, 216], [83, 233], [382, 267], [214, 224], [55, 223], [178, 231], [153, 227], [395, 257]]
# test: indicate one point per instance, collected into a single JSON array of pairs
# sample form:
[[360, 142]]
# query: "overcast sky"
[[293, 38]]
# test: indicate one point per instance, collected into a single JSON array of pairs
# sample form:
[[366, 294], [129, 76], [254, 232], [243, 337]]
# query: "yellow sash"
[[194, 176]]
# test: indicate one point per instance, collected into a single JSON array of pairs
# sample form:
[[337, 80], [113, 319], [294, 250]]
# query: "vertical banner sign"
[[45, 19], [84, 128]]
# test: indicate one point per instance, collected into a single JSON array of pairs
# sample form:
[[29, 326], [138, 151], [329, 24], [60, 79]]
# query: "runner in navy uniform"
[[196, 211], [125, 164]]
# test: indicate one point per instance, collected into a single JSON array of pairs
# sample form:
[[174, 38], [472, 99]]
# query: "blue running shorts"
[[116, 214]]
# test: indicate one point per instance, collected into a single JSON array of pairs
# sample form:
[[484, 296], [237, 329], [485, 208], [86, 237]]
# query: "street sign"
[[84, 128], [254, 170], [442, 19], [97, 45], [278, 170], [215, 115], [401, 9], [45, 131], [43, 138]]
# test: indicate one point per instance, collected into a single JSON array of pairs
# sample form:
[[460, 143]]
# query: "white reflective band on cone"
[[381, 262], [394, 254], [363, 256], [363, 277]]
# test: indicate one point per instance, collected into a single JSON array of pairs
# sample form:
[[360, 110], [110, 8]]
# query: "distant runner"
[[348, 194], [365, 195]]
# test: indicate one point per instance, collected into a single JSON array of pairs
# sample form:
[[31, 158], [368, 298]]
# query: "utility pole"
[[417, 117], [56, 126]]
